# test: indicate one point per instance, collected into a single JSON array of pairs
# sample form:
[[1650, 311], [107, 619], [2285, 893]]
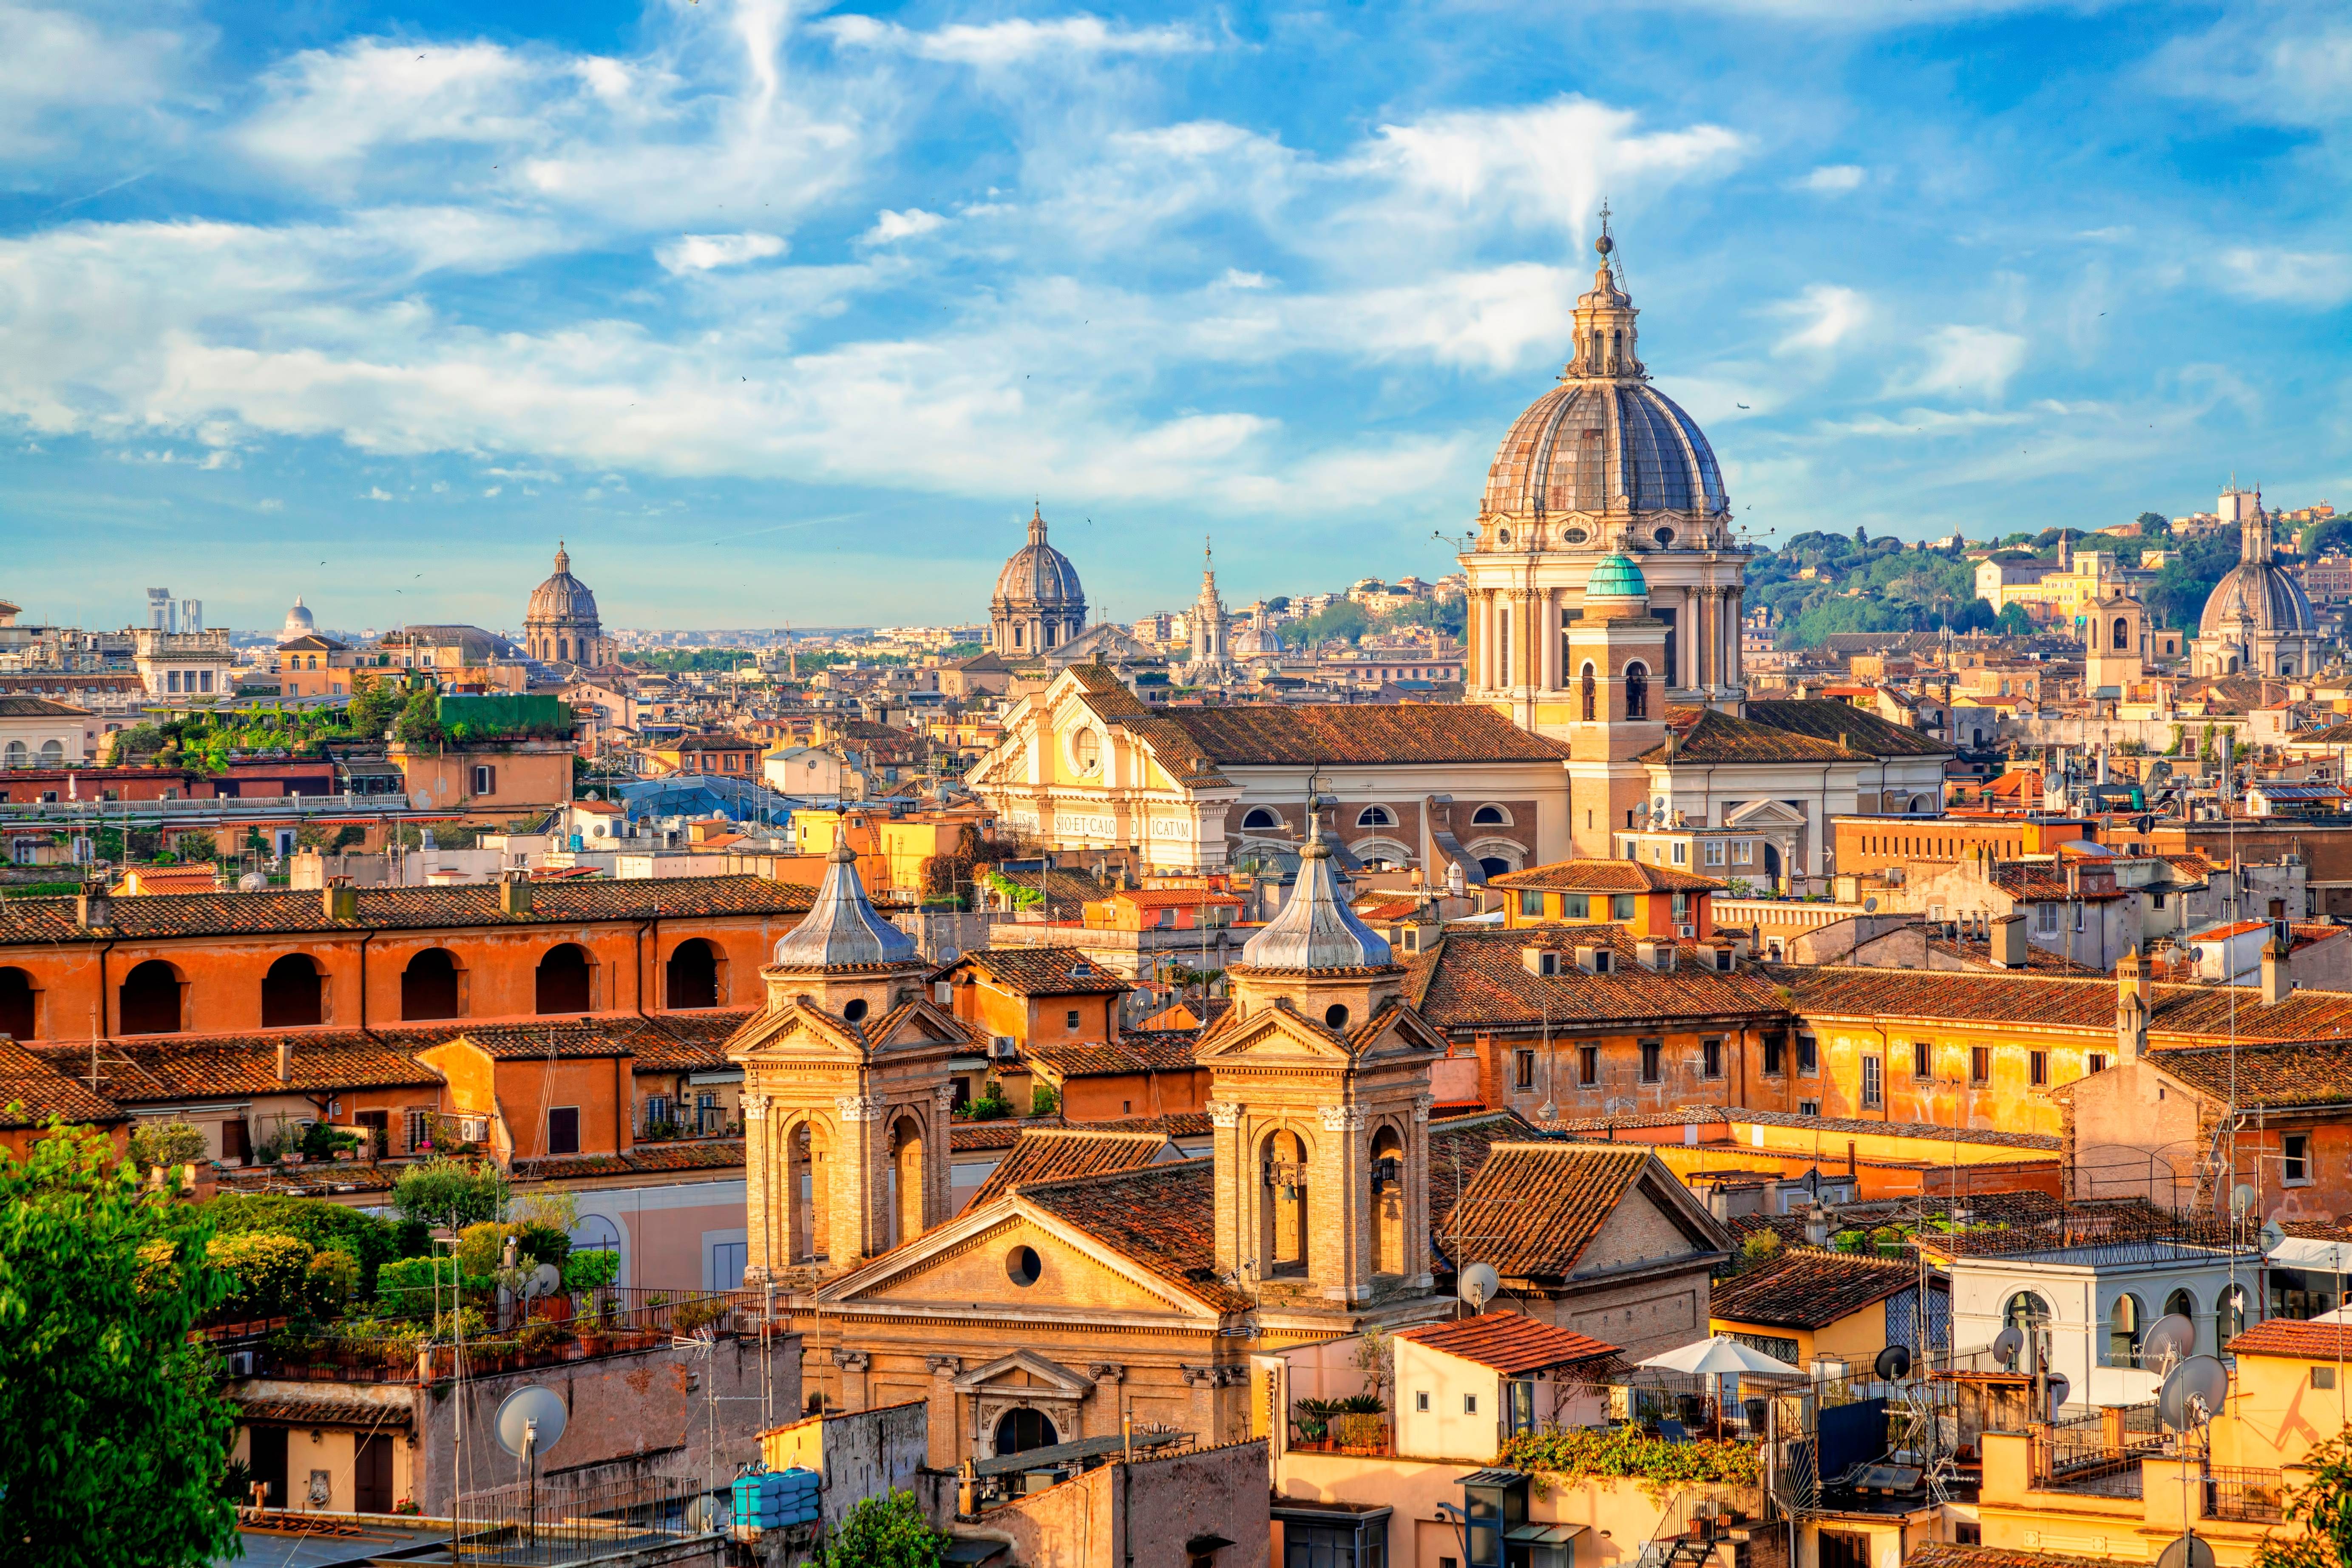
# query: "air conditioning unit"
[[1004, 1048], [1686, 931], [241, 1363], [473, 1129]]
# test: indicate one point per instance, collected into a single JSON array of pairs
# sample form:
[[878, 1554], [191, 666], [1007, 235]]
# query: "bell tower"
[[2113, 647], [1612, 656], [1319, 1109], [845, 1092]]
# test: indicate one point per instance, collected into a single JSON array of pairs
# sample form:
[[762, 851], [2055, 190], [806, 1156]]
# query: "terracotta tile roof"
[[1508, 1343], [39, 708], [2036, 881], [1044, 972], [160, 1067], [290, 912], [324, 1180], [1709, 735], [1946, 1554], [1173, 897], [555, 1038], [1458, 1147], [2199, 1012], [1352, 734], [302, 1407], [1808, 1288], [1136, 1053], [2038, 960], [967, 1137], [1828, 720], [693, 1154], [1471, 982], [1159, 1217], [1690, 1115], [1533, 1208], [2269, 1076], [691, 1042], [1052, 1154], [1607, 877], [2292, 1337], [33, 1090]]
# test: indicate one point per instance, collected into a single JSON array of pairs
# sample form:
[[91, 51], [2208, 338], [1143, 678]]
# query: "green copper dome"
[[1616, 576]]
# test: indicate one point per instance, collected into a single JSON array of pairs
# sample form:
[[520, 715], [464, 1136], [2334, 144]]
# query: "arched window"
[[15, 755], [53, 753], [18, 1009], [1261, 820], [1375, 816], [1022, 1430], [1637, 692], [1282, 1201], [2026, 1312], [906, 1180], [563, 980], [2181, 1303], [1388, 1202], [428, 987], [1591, 687], [2125, 1323], [2123, 634], [292, 994], [692, 977], [1495, 866], [150, 999], [1665, 538], [1490, 817]]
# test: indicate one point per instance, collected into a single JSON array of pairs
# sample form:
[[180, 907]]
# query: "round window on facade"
[[855, 1010], [1086, 752], [1502, 536], [1023, 1266], [1336, 1015]]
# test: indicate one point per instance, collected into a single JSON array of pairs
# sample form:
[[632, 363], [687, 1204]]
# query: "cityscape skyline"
[[425, 272]]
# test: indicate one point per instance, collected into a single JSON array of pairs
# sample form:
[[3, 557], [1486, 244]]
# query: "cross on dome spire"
[[563, 560], [1604, 320], [1038, 522]]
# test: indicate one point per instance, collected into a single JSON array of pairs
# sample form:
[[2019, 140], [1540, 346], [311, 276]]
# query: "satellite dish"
[[253, 882], [1478, 1285], [2008, 1345], [1894, 1362], [2170, 1338], [2193, 1393], [2273, 1234], [530, 1414], [545, 1280], [2241, 1200], [2188, 1551], [2060, 1386]]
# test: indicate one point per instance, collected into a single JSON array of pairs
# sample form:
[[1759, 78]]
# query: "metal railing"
[[2107, 1478], [2255, 1495], [560, 1521], [2099, 1436]]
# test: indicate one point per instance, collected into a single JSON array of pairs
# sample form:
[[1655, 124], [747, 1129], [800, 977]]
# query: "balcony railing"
[[2258, 1496], [1365, 1435]]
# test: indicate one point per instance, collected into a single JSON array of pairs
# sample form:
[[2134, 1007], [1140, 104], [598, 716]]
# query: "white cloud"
[[2322, 279], [891, 227], [1826, 314], [376, 492], [701, 252], [994, 45], [1967, 361], [60, 69], [1834, 179], [492, 490]]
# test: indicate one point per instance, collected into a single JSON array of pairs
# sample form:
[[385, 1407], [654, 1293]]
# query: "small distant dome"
[[563, 597], [1038, 574], [2257, 596], [1614, 576], [298, 621], [842, 929]]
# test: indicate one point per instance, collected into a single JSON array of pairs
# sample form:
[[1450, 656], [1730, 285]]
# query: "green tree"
[[375, 700], [328, 1226], [2153, 524], [138, 742], [113, 1439], [1342, 620], [887, 1532], [2323, 1506], [436, 1192], [166, 1144], [420, 718], [2013, 621]]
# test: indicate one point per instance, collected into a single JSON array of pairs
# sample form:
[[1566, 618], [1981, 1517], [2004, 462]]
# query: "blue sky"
[[786, 312]]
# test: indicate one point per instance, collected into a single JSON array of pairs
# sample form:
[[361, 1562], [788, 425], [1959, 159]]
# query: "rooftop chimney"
[[340, 899], [2276, 981], [285, 1060], [514, 894], [2008, 947], [94, 907], [2131, 1006]]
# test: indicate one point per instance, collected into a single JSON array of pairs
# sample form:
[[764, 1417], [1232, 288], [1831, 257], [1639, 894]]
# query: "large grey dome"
[[1316, 929], [842, 929], [2257, 596], [1038, 574], [1582, 445], [563, 597]]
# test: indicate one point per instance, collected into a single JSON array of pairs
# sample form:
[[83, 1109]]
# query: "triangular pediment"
[[967, 1265], [1765, 814], [1027, 1370], [1272, 1032]]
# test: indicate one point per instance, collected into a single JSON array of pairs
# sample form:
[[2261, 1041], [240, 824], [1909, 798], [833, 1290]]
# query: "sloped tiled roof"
[[1353, 734], [1508, 1343], [1159, 1217], [1533, 1208], [1458, 1147], [2175, 1010], [1826, 720], [1052, 1154], [323, 1408], [1710, 735], [1946, 1554], [1045, 972], [686, 1154], [33, 1091], [1735, 1116], [1807, 1288], [149, 1068], [1607, 877], [1474, 980], [399, 909], [2307, 1341], [2272, 1077], [1131, 1053]]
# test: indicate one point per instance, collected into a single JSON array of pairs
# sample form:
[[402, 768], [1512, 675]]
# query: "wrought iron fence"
[[559, 1521], [2108, 1477], [2258, 1495]]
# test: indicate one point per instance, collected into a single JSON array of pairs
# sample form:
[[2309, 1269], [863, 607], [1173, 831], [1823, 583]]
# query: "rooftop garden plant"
[[1627, 1451]]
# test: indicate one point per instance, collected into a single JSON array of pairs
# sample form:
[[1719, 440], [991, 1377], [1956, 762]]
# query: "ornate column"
[[1419, 1266], [938, 1158], [1338, 1184], [852, 1365], [1098, 1414], [940, 1411], [859, 1226], [1234, 1183]]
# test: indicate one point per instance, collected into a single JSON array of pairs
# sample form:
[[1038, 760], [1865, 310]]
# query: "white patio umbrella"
[[1721, 1356]]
